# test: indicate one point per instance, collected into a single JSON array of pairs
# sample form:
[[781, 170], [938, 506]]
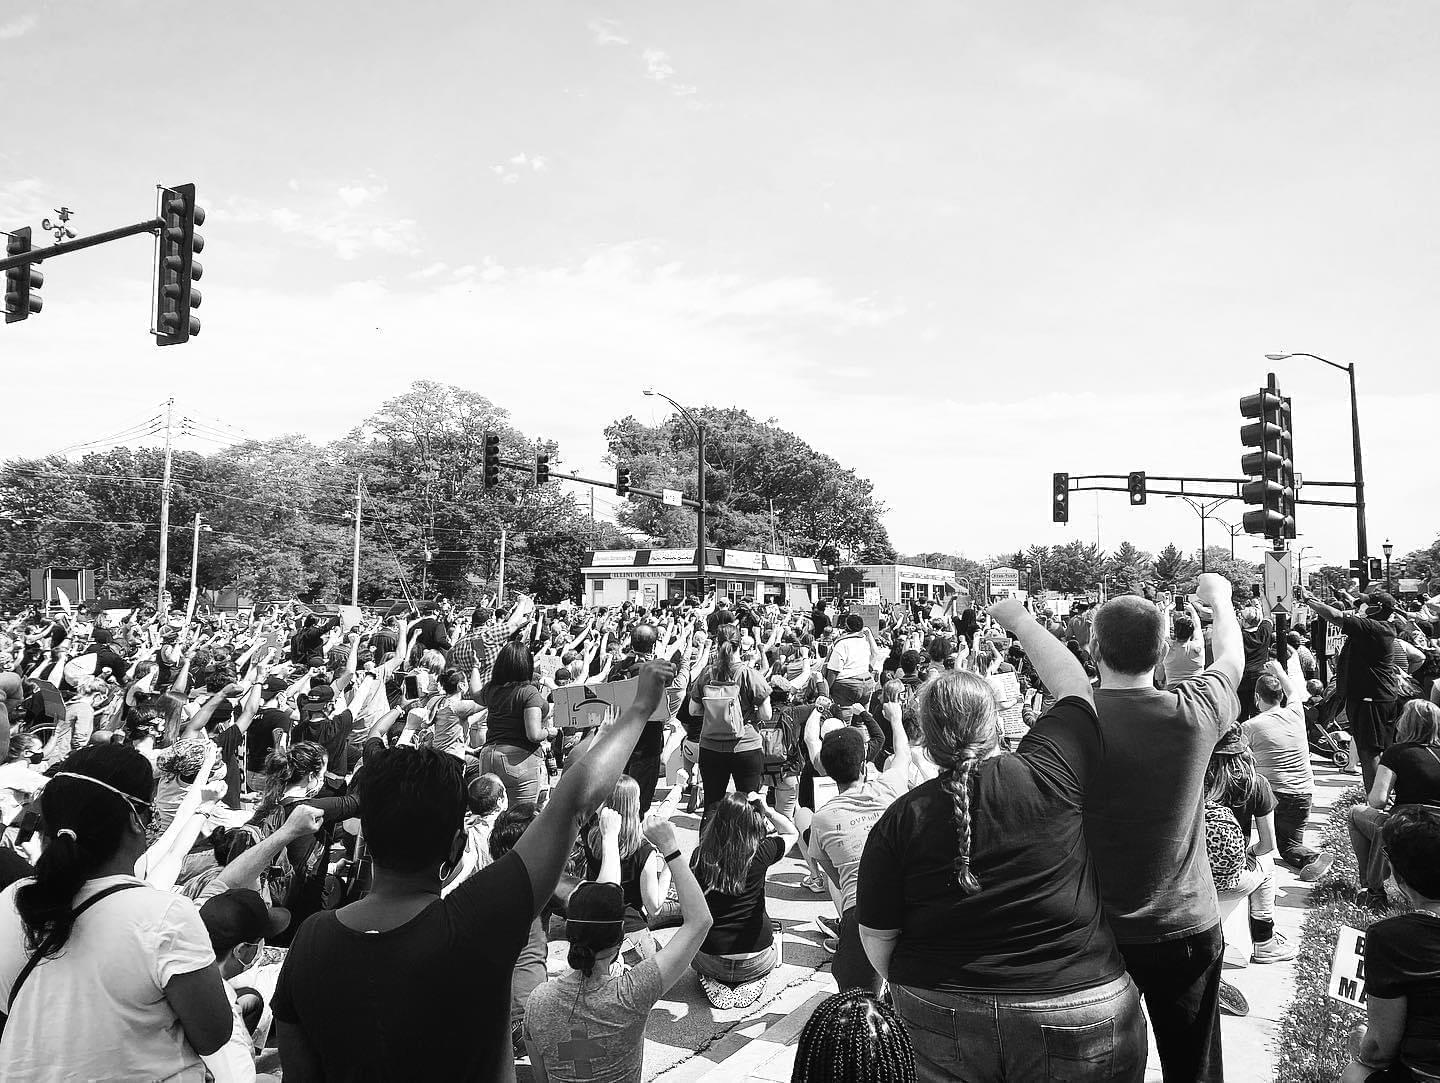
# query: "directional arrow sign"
[[1279, 585]]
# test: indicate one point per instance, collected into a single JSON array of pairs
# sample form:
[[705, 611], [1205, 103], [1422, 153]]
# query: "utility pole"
[[194, 572], [772, 526], [355, 564], [500, 585], [160, 607]]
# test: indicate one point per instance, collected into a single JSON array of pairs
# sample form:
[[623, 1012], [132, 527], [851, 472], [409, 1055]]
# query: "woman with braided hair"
[[854, 1037], [978, 900]]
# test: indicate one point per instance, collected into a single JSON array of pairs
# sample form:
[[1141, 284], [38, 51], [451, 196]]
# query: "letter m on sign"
[[1349, 989]]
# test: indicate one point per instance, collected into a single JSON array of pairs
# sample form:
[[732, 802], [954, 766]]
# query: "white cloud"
[[657, 64], [606, 32], [357, 195], [20, 201], [348, 224], [509, 171], [16, 28]]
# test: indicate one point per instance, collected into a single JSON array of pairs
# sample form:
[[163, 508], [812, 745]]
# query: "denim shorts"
[[1094, 1034]]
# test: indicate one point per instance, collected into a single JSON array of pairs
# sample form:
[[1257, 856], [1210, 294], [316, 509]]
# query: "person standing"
[[1282, 757], [1145, 824], [1259, 637], [848, 668], [1368, 675], [644, 766]]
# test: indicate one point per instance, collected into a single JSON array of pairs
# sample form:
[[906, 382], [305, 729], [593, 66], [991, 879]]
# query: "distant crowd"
[[339, 844]]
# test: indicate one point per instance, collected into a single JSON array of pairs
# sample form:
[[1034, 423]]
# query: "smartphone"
[[1180, 601], [412, 688]]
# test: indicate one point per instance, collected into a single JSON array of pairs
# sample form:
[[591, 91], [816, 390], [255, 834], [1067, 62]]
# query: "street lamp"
[[1360, 538], [1234, 530], [195, 565], [700, 480], [1387, 549]]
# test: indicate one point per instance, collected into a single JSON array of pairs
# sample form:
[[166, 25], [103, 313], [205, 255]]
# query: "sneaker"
[[1317, 868], [814, 884], [1232, 1000], [830, 944], [829, 924], [1275, 950]]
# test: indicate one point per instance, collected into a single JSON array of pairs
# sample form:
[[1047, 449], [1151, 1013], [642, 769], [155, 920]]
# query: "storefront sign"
[[1004, 579], [738, 558], [805, 564], [612, 557], [776, 562], [672, 556], [641, 573]]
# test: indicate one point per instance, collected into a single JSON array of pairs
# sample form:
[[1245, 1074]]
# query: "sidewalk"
[[761, 1045]]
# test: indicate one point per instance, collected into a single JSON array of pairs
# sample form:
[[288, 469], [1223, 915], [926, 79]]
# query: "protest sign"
[[1347, 968], [585, 706]]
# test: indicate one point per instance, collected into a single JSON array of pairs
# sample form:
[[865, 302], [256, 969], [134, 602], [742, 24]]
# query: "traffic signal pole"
[[39, 255]]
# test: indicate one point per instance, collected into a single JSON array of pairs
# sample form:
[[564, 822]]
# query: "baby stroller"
[[1327, 737]]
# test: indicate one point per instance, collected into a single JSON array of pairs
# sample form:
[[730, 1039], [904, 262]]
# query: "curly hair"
[[961, 723]]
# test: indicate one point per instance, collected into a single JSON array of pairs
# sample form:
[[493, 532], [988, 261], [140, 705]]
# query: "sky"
[[955, 246]]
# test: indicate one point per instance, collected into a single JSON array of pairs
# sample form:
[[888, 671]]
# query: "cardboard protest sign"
[[585, 706], [1347, 968]]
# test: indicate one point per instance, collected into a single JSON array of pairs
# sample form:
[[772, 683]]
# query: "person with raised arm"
[[404, 984], [977, 898]]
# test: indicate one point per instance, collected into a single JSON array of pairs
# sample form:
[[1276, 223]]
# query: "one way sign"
[[1279, 587]]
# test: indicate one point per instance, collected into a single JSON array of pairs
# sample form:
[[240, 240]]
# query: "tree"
[[1172, 567], [1128, 569], [1419, 564], [758, 478]]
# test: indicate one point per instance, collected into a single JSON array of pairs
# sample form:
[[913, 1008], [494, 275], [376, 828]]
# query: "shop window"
[[632, 584]]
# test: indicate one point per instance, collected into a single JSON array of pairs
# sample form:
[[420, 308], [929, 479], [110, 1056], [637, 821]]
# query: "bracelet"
[[671, 857]]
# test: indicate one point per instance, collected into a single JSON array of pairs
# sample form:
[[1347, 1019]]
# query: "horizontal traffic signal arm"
[[38, 255], [556, 475], [1234, 486]]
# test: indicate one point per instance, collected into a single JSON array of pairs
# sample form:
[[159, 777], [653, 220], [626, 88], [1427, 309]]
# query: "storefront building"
[[895, 582], [647, 576]]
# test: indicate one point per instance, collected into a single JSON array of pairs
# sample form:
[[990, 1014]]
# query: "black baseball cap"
[[241, 916]]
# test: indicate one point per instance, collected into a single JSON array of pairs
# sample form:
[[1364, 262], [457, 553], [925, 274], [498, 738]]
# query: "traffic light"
[[1377, 570], [1137, 487], [1269, 462], [177, 270], [622, 480], [20, 282], [492, 460], [1062, 498], [542, 468], [1358, 570]]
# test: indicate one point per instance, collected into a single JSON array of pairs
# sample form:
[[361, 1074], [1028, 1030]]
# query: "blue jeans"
[[1096, 1034], [518, 768], [732, 971]]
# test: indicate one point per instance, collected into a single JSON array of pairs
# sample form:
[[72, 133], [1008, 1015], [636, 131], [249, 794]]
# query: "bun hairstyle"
[[86, 823], [962, 726], [594, 922]]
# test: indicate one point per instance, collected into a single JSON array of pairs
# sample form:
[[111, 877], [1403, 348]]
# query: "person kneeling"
[[589, 1023]]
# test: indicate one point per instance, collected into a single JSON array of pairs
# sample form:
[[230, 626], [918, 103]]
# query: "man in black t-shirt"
[[1402, 957], [1369, 677]]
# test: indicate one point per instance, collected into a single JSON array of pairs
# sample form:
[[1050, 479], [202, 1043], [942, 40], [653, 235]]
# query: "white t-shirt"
[[233, 1062], [840, 828], [849, 658], [98, 1009]]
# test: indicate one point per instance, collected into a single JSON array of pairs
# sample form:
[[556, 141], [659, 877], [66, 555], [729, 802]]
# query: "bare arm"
[[546, 845], [674, 958], [1226, 642], [298, 1059], [1058, 669], [246, 870]]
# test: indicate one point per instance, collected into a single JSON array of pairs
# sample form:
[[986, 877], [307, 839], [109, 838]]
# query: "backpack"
[[778, 737], [723, 718], [1225, 846]]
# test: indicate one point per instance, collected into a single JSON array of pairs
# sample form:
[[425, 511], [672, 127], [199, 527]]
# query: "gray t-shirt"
[[1144, 816], [592, 1032]]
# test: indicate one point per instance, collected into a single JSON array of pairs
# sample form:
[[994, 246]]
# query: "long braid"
[[960, 719]]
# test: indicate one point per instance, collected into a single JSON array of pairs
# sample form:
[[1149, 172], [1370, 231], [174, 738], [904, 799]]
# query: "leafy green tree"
[[1128, 569], [1172, 567]]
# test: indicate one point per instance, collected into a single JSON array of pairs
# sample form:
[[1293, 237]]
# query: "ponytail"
[[727, 642], [86, 823], [283, 768]]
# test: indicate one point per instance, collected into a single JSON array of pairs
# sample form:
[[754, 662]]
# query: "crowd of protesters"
[[352, 837]]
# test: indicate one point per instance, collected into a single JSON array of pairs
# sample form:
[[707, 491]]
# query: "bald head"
[[1129, 633]]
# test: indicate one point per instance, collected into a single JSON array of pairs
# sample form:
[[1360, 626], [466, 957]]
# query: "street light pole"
[[1387, 548], [1361, 541], [699, 481]]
